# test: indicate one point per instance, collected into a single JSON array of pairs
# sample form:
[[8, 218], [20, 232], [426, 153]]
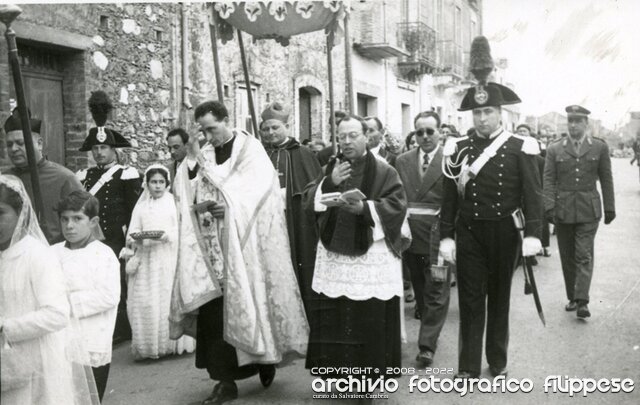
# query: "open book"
[[337, 199]]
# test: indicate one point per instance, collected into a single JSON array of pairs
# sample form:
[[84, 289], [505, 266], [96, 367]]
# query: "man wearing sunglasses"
[[572, 167], [421, 173]]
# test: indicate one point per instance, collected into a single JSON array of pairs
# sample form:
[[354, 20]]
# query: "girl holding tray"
[[152, 242]]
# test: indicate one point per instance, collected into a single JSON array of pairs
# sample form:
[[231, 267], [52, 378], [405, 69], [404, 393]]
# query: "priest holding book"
[[358, 271]]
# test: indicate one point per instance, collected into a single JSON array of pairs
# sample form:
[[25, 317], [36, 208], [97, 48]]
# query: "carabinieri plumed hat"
[[100, 106], [485, 94]]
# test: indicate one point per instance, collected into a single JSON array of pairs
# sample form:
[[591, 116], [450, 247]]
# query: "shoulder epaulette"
[[129, 173], [451, 145], [530, 145], [81, 175], [598, 139]]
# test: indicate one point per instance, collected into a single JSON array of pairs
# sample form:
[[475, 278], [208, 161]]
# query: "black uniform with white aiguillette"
[[487, 240]]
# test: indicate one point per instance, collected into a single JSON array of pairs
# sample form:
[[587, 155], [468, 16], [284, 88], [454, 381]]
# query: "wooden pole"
[[348, 66], [247, 82], [332, 118], [216, 59], [12, 47]]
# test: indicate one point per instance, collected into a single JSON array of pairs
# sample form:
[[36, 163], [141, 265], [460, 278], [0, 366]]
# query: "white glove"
[[448, 250], [531, 246]]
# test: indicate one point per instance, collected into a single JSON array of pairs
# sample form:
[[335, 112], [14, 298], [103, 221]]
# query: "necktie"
[[425, 164], [577, 145]]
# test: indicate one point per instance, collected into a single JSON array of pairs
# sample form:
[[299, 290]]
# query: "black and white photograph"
[[320, 202]]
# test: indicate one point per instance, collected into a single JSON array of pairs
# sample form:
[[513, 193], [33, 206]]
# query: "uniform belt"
[[581, 188]]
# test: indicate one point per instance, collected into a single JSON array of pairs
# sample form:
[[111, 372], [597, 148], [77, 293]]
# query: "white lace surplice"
[[376, 274]]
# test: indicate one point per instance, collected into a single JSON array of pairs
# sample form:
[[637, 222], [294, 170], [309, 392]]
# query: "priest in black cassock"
[[358, 271], [297, 166]]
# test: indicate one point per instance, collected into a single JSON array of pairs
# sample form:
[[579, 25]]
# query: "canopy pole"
[[216, 59], [8, 15], [348, 67], [247, 82], [332, 118]]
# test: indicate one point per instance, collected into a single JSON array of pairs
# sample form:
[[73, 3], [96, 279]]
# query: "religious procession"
[[202, 240]]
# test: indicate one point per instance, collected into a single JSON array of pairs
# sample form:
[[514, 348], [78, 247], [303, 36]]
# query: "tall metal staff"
[[8, 13]]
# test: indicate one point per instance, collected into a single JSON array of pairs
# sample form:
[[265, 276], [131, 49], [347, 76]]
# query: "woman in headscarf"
[[39, 363]]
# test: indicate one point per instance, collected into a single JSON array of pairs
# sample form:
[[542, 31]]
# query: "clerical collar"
[[226, 142], [107, 166]]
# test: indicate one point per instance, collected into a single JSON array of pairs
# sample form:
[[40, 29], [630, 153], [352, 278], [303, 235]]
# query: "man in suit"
[[573, 166], [421, 173], [375, 135]]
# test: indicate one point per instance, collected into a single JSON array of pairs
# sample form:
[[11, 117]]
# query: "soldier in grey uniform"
[[573, 166]]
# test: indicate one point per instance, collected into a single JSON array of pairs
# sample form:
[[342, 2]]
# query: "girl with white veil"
[[41, 360], [152, 268]]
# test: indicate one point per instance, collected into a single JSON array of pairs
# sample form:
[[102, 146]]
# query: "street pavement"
[[607, 345]]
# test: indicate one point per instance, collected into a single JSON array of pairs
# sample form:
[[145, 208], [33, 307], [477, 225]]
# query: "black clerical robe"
[[297, 166]]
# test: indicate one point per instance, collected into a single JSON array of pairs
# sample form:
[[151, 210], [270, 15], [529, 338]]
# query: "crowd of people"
[[251, 252]]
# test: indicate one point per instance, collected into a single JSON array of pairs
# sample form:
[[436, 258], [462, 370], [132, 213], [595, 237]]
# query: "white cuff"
[[378, 231], [317, 205]]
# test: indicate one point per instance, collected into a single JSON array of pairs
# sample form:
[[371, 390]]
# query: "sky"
[[564, 52]]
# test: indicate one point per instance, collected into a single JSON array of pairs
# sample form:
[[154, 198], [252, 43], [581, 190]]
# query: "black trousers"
[[101, 375], [486, 254], [432, 299], [213, 353]]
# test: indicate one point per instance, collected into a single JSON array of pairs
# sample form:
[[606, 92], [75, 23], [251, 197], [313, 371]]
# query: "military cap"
[[14, 123], [576, 110], [275, 111], [489, 95]]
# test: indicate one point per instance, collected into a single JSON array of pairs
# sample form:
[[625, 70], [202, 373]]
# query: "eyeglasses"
[[423, 131], [351, 135]]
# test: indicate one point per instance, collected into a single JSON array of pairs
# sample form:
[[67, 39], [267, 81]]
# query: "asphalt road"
[[607, 345]]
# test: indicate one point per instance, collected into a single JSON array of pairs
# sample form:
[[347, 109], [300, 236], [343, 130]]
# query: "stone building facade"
[[155, 61]]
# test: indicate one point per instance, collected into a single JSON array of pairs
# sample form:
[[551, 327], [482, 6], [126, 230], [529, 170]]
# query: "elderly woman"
[[34, 312]]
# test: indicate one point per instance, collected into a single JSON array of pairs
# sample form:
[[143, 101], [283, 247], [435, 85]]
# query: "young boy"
[[92, 274]]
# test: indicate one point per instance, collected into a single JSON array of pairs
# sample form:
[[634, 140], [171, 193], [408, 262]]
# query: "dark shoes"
[[465, 375], [583, 310], [425, 358], [222, 392], [417, 314], [546, 252], [571, 306], [267, 374], [498, 371]]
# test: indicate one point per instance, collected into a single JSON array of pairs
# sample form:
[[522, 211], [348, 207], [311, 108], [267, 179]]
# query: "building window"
[[104, 22], [158, 35], [367, 105], [225, 90]]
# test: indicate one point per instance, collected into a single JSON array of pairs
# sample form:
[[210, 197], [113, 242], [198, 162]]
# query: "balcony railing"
[[419, 40], [450, 58]]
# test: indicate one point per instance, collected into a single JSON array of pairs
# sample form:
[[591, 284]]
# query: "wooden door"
[[44, 97], [42, 79]]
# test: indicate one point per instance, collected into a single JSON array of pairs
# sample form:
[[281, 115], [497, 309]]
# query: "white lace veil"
[[145, 189], [27, 219], [75, 379]]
